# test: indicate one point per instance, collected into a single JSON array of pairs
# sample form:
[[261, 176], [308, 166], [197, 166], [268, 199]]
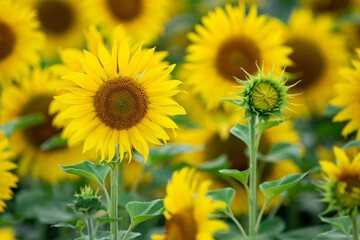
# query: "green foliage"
[[274, 188], [55, 142], [21, 123], [343, 223], [264, 125], [215, 165], [354, 143], [225, 195], [161, 154], [283, 151], [93, 171], [271, 227], [142, 211], [334, 234], [241, 176], [303, 233], [241, 132]]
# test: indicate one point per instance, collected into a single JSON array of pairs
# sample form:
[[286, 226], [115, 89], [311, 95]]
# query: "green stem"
[[114, 200], [107, 198], [253, 179], [355, 226], [238, 224], [260, 216], [89, 227], [121, 178], [131, 227]]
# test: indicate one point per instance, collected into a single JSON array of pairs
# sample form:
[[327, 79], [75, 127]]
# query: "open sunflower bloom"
[[188, 209], [119, 98], [342, 190]]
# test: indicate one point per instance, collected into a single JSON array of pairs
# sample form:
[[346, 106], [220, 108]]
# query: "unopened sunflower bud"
[[264, 95], [86, 201]]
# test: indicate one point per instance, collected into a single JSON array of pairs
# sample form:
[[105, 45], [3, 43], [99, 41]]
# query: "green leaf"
[[304, 233], [6, 223], [271, 227], [64, 225], [22, 123], [142, 211], [225, 195], [354, 143], [241, 132], [131, 235], [215, 165], [343, 222], [55, 142], [93, 171], [283, 151], [161, 154], [272, 189], [334, 234], [234, 101], [263, 126], [241, 176]]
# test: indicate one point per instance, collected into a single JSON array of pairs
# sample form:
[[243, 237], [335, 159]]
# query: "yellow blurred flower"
[[227, 41], [343, 183], [142, 19], [188, 208], [348, 96], [318, 52], [7, 234], [20, 39], [118, 97], [62, 21], [7, 179], [33, 95]]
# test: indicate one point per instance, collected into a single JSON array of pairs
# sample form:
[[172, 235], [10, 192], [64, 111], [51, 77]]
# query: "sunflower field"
[[179, 119]]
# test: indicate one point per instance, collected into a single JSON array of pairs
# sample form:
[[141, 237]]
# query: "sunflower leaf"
[[241, 176], [334, 234], [274, 188], [241, 132], [353, 143], [343, 222], [93, 171], [142, 211], [262, 126], [21, 123], [283, 151], [225, 195]]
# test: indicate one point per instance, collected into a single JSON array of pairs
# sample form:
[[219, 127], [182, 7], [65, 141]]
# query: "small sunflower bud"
[[264, 96], [86, 202]]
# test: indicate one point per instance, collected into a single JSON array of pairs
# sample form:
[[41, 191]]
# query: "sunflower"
[[119, 98], [318, 52], [8, 179], [133, 15], [331, 6], [7, 234], [342, 190], [214, 146], [188, 208], [348, 96], [228, 41], [18, 28], [33, 95], [62, 21]]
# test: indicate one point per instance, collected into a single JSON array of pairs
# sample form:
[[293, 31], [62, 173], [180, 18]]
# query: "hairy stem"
[[253, 179]]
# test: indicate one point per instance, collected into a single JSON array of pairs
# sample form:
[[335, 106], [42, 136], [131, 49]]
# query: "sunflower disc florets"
[[264, 95]]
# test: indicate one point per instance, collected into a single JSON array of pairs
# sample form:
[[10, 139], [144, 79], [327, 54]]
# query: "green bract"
[[264, 95]]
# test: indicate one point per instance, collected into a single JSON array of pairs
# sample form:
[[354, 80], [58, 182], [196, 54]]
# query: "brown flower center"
[[42, 132], [121, 103], [125, 10], [181, 226], [7, 40], [56, 17], [237, 53], [309, 63], [331, 5]]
